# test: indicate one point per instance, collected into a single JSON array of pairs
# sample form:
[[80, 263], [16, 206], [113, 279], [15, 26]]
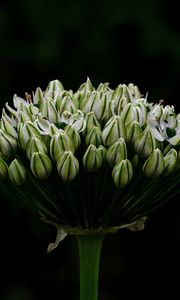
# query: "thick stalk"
[[89, 258]]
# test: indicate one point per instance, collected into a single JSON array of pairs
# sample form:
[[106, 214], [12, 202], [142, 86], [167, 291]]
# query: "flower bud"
[[86, 87], [41, 165], [170, 161], [8, 144], [135, 161], [74, 135], [145, 143], [116, 152], [133, 131], [91, 121], [92, 159], [94, 137], [17, 172], [154, 165], [134, 90], [5, 125], [121, 105], [38, 96], [130, 114], [67, 166], [101, 107], [59, 143], [3, 169], [67, 105], [35, 145], [113, 130], [54, 88], [48, 110], [25, 131], [122, 173], [103, 152]]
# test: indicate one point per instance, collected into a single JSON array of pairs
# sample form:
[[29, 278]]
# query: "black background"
[[109, 41]]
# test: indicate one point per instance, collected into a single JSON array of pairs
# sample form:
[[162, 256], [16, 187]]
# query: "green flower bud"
[[68, 166], [59, 143], [94, 137], [122, 173], [91, 121], [113, 130], [52, 130], [92, 159], [67, 105], [170, 161], [8, 144], [3, 169], [38, 96], [121, 105], [154, 165], [131, 113], [145, 143], [54, 88], [101, 107], [86, 87], [48, 110], [35, 145], [41, 165], [126, 93], [87, 104], [134, 90], [25, 131], [116, 152], [135, 161], [17, 172], [74, 135], [133, 131], [5, 125], [103, 152]]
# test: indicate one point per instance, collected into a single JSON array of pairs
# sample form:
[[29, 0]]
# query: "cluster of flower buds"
[[115, 129]]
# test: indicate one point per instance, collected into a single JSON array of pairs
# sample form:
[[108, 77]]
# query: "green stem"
[[89, 257]]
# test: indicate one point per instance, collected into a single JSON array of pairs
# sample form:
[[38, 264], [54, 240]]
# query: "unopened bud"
[[154, 165], [25, 131], [48, 110], [103, 152], [91, 121], [92, 159], [170, 161], [3, 169], [41, 165], [54, 88], [113, 130], [116, 152], [145, 143], [133, 131], [8, 127], [94, 137], [8, 144], [131, 113], [67, 105], [68, 166], [38, 96], [122, 173], [59, 143], [74, 135], [35, 145], [17, 172]]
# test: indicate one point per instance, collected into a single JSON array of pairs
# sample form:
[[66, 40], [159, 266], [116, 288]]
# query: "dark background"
[[115, 41]]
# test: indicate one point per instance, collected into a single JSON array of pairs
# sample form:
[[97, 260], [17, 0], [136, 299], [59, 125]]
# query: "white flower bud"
[[154, 165], [54, 88], [5, 125], [113, 130], [116, 152], [122, 173], [17, 172], [74, 135], [25, 131], [38, 96], [103, 152], [133, 131], [94, 136], [91, 121], [145, 143], [35, 145], [8, 144], [41, 165], [48, 110], [92, 159], [170, 162], [59, 143], [67, 166]]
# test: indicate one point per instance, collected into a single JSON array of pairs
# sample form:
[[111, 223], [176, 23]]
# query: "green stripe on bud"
[[91, 121], [8, 144], [170, 162], [48, 110], [41, 165], [122, 173], [17, 172], [154, 165], [3, 169], [116, 152], [35, 145], [133, 131], [145, 143], [25, 131], [8, 127], [130, 114], [54, 88], [74, 135], [103, 152], [94, 136], [59, 143], [68, 166], [113, 130], [92, 159]]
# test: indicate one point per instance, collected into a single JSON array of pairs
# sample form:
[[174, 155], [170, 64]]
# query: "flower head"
[[93, 160]]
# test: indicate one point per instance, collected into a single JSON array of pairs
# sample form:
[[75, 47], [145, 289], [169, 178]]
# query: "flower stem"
[[89, 257]]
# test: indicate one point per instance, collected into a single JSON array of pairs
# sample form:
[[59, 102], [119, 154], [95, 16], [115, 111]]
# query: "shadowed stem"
[[89, 258]]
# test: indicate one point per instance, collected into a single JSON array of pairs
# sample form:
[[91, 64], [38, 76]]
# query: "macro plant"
[[89, 162]]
